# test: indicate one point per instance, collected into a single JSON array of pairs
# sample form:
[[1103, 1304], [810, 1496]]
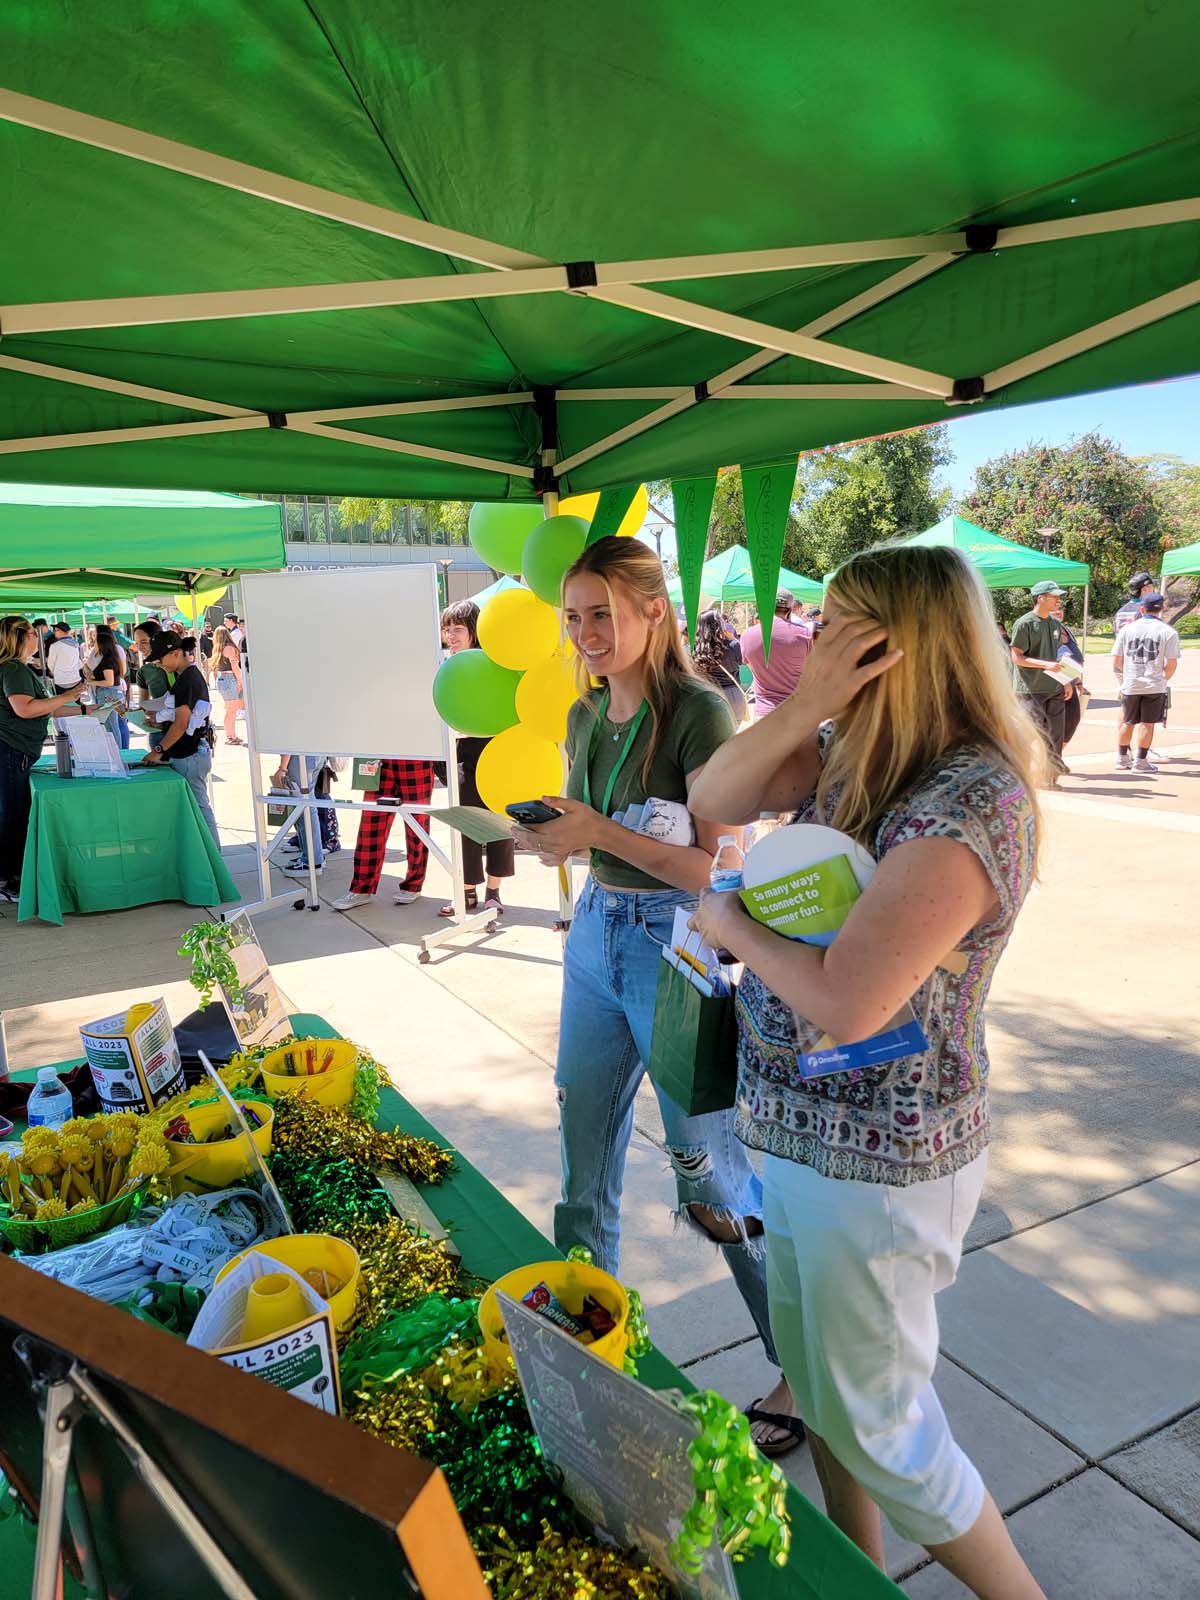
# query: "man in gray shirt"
[[1145, 655]]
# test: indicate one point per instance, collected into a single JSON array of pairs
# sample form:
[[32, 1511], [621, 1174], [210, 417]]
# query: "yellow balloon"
[[194, 605], [518, 765], [584, 505], [546, 694], [517, 629]]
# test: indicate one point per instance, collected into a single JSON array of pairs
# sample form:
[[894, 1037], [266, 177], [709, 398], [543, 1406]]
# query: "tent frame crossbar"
[[509, 271]]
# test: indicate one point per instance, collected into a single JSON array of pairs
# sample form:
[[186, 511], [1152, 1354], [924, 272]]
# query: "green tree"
[[844, 500], [1103, 507], [430, 521], [1177, 484]]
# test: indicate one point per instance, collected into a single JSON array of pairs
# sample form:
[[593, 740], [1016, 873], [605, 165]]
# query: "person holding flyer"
[[904, 734]]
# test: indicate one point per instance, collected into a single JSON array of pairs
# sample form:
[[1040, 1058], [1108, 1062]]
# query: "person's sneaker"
[[299, 869], [1141, 765], [351, 901], [405, 897], [1124, 761]]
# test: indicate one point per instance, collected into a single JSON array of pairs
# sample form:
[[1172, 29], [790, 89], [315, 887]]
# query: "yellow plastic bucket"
[[333, 1087], [320, 1252], [569, 1282], [226, 1162]]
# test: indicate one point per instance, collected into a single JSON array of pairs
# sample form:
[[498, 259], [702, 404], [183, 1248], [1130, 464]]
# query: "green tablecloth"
[[100, 844], [494, 1238]]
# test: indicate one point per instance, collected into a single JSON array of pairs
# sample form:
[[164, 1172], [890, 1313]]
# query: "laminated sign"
[[810, 904], [133, 1057]]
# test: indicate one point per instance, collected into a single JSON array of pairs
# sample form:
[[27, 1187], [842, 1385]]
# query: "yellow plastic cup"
[[304, 1251], [333, 1087], [569, 1282], [274, 1304], [223, 1164]]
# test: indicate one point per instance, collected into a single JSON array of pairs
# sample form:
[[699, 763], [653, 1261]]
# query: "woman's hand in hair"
[[835, 671]]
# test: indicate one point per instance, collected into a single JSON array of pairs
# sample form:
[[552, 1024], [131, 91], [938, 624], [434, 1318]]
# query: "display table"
[[494, 1238], [100, 844]]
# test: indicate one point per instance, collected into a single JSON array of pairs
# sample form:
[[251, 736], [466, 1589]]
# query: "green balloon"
[[474, 695], [498, 532], [549, 551]]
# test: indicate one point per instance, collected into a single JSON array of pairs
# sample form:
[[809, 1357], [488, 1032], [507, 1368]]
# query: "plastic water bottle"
[[50, 1104], [62, 756], [727, 864]]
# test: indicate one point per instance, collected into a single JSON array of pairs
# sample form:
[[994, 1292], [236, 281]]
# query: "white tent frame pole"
[[1087, 592], [895, 283], [135, 391], [403, 447], [1076, 344], [407, 408], [755, 391], [169, 430]]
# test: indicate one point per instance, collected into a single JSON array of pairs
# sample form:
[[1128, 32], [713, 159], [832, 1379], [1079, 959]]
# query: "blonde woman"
[[905, 733], [645, 727], [227, 664], [25, 712]]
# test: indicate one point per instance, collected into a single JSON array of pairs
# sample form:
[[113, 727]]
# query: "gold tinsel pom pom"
[[327, 1133]]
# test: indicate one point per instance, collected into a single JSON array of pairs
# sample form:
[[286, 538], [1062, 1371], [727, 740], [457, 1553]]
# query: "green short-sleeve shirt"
[[1040, 638], [698, 723], [25, 734]]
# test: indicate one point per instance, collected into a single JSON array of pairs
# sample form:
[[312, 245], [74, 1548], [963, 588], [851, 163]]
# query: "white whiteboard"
[[342, 663]]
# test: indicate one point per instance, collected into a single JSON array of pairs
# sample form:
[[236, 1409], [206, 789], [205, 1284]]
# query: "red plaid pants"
[[411, 783]]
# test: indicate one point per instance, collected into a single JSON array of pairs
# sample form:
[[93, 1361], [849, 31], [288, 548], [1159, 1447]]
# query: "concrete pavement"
[[1071, 1369]]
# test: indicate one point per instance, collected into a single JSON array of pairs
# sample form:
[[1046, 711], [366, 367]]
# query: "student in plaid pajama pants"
[[410, 783]]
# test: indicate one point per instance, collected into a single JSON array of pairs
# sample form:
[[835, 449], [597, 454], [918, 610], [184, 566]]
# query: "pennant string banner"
[[767, 497], [692, 499], [614, 503]]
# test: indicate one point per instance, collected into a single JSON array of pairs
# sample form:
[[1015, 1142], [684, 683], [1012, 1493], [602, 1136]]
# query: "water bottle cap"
[[726, 838], [47, 1075]]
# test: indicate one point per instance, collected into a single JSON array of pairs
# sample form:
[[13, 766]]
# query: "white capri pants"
[[852, 1269]]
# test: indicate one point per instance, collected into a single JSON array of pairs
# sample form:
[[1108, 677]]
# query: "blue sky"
[[1151, 419]]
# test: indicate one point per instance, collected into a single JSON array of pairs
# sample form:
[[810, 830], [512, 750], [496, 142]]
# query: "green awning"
[[690, 237], [72, 544], [728, 578], [1001, 563], [1177, 563]]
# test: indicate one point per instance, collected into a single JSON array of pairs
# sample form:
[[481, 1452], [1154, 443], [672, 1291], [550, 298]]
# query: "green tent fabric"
[[65, 544], [1178, 563], [728, 577], [926, 230], [1001, 563]]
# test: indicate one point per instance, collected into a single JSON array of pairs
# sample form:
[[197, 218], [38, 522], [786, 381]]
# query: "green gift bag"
[[693, 1049]]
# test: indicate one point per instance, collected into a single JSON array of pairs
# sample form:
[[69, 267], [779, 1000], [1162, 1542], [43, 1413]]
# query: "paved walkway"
[[1070, 1365]]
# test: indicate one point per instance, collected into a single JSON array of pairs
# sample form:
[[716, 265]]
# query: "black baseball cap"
[[165, 643], [1139, 581]]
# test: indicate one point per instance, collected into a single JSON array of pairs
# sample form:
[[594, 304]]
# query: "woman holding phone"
[[904, 732], [644, 727]]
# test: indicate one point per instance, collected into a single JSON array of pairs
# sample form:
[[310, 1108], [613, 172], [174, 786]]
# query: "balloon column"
[[518, 687]]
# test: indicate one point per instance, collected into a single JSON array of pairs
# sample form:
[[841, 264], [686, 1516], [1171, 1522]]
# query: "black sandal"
[[471, 898], [776, 1419]]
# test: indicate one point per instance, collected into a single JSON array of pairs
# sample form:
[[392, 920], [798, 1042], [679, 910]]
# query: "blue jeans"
[[302, 770], [122, 732], [196, 768], [610, 974]]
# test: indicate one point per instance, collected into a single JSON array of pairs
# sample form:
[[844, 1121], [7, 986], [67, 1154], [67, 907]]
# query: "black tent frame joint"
[[581, 274], [700, 392], [980, 237], [544, 480], [277, 419], [968, 391]]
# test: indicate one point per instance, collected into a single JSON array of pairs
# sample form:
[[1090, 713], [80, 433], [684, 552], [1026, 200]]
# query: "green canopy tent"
[[343, 248], [64, 545], [1180, 562], [728, 578]]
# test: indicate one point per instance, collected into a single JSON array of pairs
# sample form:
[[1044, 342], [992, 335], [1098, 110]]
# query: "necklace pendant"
[[616, 736]]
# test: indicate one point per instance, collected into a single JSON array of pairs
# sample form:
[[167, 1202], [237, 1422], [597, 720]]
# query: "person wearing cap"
[[1034, 645], [1140, 584], [776, 677], [186, 741], [1145, 656]]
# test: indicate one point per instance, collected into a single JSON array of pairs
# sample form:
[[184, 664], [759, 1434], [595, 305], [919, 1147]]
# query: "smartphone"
[[873, 654], [530, 812]]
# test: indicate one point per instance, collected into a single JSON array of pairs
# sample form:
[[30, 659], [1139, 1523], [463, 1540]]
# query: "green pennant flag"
[[692, 499], [614, 503], [767, 498]]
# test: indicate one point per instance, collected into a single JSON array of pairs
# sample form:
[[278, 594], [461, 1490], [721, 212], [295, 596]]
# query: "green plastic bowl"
[[33, 1238]]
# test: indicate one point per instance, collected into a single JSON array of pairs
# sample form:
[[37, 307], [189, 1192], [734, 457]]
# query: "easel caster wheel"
[[493, 927], [423, 958], [298, 905]]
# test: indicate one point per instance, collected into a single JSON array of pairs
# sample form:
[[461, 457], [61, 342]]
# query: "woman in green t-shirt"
[[645, 726], [25, 712]]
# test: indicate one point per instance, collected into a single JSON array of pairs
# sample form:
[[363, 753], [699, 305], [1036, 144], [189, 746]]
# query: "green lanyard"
[[621, 759]]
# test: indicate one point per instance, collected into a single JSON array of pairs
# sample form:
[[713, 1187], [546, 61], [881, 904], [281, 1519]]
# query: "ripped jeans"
[[610, 973]]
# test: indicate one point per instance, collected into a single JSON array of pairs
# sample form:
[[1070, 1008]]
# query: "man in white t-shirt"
[[1145, 654], [62, 658]]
